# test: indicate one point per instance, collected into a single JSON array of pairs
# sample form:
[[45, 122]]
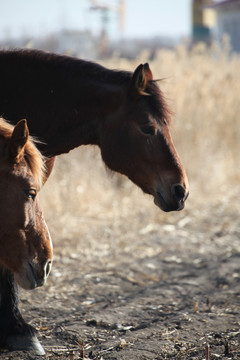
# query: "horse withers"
[[25, 242]]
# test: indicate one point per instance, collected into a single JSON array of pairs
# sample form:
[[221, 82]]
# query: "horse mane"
[[64, 66], [32, 155]]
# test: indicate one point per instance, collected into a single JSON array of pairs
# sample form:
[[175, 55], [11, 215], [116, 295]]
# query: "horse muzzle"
[[33, 275], [175, 201]]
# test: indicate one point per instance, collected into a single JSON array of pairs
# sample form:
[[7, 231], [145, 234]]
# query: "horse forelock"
[[159, 102], [35, 160], [32, 155]]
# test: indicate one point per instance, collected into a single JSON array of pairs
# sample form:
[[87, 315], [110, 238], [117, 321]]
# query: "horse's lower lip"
[[181, 206], [160, 202], [26, 278], [31, 276], [36, 281]]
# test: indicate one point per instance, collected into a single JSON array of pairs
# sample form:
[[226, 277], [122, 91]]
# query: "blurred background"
[[99, 28], [194, 46]]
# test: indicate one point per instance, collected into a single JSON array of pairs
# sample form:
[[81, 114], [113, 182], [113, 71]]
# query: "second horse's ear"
[[49, 163], [18, 140], [140, 78]]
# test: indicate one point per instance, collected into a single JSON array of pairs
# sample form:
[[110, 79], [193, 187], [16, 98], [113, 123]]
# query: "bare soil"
[[130, 282]]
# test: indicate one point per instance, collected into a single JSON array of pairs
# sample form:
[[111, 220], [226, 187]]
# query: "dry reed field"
[[129, 281]]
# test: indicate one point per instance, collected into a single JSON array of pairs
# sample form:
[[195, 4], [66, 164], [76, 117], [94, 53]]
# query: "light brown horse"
[[25, 243]]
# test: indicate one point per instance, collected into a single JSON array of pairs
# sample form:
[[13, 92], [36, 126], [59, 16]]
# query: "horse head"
[[135, 140], [25, 242]]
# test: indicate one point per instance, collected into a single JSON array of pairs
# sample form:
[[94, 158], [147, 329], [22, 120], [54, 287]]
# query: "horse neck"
[[64, 100], [81, 125]]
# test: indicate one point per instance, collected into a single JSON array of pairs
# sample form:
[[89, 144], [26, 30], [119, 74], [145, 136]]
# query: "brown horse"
[[70, 102], [25, 243], [124, 114]]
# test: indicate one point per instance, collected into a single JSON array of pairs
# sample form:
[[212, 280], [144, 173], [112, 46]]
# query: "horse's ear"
[[140, 78], [148, 72], [48, 164], [18, 140]]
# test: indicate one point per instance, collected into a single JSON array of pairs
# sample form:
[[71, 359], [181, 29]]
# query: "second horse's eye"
[[31, 193], [148, 130]]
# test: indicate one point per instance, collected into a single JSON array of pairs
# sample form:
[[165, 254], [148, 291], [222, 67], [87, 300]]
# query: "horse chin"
[[26, 277], [161, 204], [164, 206]]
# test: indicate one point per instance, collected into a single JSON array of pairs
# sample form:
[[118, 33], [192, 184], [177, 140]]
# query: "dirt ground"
[[130, 282]]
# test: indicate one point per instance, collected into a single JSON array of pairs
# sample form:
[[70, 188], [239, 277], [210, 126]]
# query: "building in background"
[[203, 20], [228, 22], [211, 20]]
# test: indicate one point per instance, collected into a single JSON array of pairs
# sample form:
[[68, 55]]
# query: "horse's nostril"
[[48, 268], [178, 192]]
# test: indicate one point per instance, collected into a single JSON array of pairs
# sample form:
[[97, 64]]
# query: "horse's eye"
[[148, 130], [30, 193]]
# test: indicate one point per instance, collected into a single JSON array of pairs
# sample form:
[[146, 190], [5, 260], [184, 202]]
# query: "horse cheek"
[[13, 254], [114, 150]]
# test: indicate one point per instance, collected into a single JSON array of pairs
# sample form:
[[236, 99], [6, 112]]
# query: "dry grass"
[[203, 88]]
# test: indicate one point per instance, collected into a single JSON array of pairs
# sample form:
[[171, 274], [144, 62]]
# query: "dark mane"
[[67, 67], [58, 90], [60, 62]]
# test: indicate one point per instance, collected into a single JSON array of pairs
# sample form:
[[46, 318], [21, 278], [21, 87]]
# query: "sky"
[[143, 18]]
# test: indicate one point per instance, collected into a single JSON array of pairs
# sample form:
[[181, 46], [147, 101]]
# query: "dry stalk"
[[207, 352]]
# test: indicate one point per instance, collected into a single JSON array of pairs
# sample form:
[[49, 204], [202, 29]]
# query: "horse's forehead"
[[22, 172], [146, 106], [144, 114]]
